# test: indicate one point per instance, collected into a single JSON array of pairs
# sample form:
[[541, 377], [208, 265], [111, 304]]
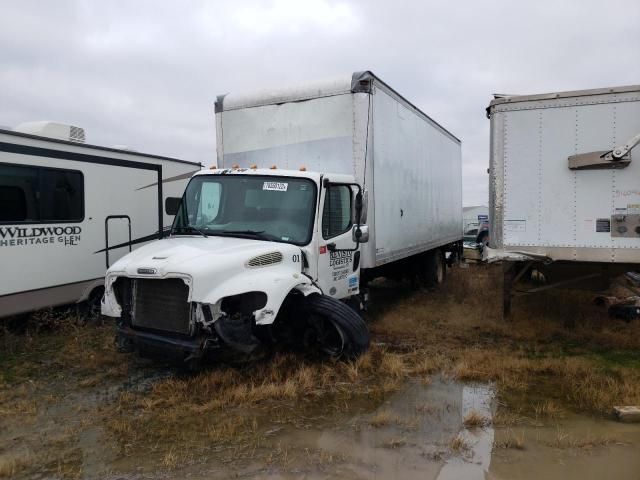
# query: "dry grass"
[[13, 407], [458, 444], [544, 363], [506, 418], [233, 427], [548, 409], [322, 458], [510, 440], [383, 418], [473, 419], [11, 465], [394, 443], [170, 460], [54, 458], [564, 440]]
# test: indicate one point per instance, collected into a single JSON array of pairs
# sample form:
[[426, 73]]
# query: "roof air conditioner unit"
[[59, 131]]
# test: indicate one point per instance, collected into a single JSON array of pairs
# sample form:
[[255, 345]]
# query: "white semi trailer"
[[564, 186], [320, 188]]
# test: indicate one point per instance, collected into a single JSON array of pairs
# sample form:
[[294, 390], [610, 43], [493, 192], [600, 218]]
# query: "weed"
[[382, 419], [10, 465], [474, 419], [548, 409], [505, 418], [395, 443], [458, 443], [564, 440], [510, 440], [170, 460]]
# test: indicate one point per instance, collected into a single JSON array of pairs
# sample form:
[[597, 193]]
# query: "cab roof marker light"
[[273, 167], [303, 169]]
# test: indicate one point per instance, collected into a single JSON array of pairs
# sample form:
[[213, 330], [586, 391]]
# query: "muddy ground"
[[447, 390]]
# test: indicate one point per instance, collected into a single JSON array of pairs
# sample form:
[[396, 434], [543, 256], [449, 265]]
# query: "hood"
[[187, 255]]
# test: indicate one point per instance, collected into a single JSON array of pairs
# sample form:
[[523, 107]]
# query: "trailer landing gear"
[[566, 275]]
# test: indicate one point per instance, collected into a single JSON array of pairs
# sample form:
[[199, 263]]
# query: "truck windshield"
[[280, 209]]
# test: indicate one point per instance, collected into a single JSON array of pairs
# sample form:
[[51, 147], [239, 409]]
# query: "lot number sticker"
[[275, 186]]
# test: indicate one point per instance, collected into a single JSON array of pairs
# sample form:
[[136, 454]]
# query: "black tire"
[[124, 344], [338, 330], [90, 309], [436, 268], [483, 240]]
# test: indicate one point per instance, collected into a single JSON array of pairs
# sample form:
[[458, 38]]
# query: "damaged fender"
[[275, 282], [109, 304]]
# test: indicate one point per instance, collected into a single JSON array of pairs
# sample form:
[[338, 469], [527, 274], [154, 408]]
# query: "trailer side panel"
[[539, 204], [417, 182]]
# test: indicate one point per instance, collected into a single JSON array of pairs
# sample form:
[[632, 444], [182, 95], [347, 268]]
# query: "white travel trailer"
[[322, 188], [68, 210], [564, 194]]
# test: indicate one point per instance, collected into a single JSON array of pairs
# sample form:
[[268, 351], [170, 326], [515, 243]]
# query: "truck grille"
[[161, 305]]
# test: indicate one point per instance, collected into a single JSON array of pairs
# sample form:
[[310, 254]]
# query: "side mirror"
[[172, 205], [365, 204], [360, 233], [360, 207]]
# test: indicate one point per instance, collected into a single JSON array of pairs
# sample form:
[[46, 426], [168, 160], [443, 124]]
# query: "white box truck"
[[564, 191], [320, 188], [68, 210]]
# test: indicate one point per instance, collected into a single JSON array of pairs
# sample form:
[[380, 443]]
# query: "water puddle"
[[418, 432]]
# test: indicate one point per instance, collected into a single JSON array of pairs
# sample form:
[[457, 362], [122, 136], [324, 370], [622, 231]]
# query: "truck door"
[[338, 263]]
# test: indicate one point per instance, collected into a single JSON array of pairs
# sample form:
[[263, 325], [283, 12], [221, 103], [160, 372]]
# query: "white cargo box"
[[409, 165], [545, 204]]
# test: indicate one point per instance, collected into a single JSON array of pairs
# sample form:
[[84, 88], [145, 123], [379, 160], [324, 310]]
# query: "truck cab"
[[254, 256]]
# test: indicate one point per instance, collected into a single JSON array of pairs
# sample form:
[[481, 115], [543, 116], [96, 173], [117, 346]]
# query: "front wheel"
[[337, 329]]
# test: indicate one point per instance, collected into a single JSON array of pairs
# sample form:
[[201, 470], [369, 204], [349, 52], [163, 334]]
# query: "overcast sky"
[[146, 73]]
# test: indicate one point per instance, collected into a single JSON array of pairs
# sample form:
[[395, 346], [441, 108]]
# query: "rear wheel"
[[336, 328], [483, 240], [90, 309], [436, 268]]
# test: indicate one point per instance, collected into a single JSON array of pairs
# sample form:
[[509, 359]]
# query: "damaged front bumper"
[[166, 346], [228, 334]]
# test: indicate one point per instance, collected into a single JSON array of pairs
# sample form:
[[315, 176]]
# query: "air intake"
[[264, 260]]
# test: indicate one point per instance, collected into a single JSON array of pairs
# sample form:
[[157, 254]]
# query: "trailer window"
[[336, 215], [13, 204], [40, 195]]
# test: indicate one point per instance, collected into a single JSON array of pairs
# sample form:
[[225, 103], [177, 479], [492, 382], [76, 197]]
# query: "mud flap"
[[237, 333]]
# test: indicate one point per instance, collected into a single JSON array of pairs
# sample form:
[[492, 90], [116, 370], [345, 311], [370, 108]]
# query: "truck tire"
[[483, 240], [89, 310], [436, 268], [338, 330]]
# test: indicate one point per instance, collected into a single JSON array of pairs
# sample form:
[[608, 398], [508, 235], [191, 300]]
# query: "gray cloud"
[[145, 73]]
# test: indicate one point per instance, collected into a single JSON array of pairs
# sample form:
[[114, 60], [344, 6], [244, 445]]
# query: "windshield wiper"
[[191, 228], [244, 232], [248, 233]]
